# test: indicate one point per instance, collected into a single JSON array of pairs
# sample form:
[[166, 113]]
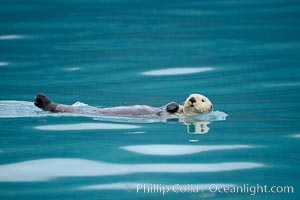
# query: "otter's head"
[[197, 104]]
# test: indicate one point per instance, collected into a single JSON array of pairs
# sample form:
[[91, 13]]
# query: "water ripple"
[[11, 37], [177, 71], [174, 150], [133, 186], [47, 169], [86, 126], [3, 64]]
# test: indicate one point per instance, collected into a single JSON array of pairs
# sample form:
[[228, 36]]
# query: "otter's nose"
[[192, 100]]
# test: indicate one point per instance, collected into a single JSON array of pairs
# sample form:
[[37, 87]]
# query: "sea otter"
[[194, 104]]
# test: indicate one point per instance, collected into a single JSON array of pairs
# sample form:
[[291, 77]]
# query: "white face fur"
[[197, 104]]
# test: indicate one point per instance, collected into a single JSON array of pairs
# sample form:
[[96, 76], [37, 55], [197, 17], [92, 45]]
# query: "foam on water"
[[20, 109], [16, 109], [79, 104]]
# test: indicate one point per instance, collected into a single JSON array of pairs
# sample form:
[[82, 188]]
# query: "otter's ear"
[[172, 107]]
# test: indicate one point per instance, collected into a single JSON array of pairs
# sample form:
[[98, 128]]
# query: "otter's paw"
[[172, 107]]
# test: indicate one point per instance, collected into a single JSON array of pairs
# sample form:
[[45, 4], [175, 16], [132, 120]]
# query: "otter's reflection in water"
[[198, 124], [193, 126], [197, 127]]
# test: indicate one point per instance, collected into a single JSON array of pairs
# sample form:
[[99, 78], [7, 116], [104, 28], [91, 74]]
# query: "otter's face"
[[197, 104]]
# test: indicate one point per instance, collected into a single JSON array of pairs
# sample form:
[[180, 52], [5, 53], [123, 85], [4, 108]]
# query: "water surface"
[[243, 55]]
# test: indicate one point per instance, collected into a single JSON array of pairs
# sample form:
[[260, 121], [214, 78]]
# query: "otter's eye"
[[203, 100]]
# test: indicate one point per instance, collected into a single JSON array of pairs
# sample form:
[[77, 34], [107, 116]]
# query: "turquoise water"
[[243, 55]]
